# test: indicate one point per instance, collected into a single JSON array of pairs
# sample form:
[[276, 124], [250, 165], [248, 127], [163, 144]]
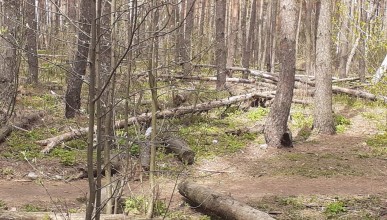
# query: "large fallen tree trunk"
[[50, 143], [222, 205], [20, 122]]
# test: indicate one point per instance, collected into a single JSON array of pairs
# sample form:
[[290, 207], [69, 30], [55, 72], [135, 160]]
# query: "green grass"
[[32, 208], [3, 205], [335, 208], [341, 123], [378, 143]]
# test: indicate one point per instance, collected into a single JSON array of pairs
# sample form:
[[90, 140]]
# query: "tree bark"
[[221, 52], [232, 43], [343, 38], [76, 77], [9, 60], [91, 204], [224, 206], [247, 52], [323, 118], [362, 46], [32, 53], [276, 129]]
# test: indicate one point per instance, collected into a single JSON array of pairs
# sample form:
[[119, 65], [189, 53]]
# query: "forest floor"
[[341, 176]]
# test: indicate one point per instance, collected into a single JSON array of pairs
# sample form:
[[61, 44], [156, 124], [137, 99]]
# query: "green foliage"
[[138, 205], [79, 144], [378, 143], [66, 157], [293, 202], [6, 171], [257, 114], [341, 123], [20, 141], [2, 204], [335, 208], [300, 120], [32, 208]]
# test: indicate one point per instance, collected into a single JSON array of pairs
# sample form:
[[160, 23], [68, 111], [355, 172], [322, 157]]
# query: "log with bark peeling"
[[50, 143], [222, 205], [20, 122]]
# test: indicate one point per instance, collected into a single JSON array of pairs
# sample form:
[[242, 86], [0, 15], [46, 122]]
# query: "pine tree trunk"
[[323, 118], [221, 52], [276, 129]]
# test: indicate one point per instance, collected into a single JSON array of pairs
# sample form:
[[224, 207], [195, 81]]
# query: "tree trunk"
[[223, 206], [232, 43], [323, 118], [247, 52], [343, 39], [91, 18], [76, 77], [276, 129], [221, 52], [362, 46], [273, 33], [187, 42], [9, 60], [32, 53]]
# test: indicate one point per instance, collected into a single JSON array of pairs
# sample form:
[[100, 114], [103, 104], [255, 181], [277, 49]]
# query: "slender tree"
[[32, 53], [221, 52], [323, 119], [247, 53], [8, 57], [78, 71], [277, 133], [232, 43], [343, 38], [92, 4]]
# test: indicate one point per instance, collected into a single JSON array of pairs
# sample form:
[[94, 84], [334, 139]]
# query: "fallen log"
[[335, 89], [209, 78], [179, 147], [50, 143], [20, 122], [222, 205]]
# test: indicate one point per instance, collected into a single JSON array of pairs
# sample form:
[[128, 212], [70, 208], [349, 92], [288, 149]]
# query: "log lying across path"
[[223, 206], [50, 143], [20, 122]]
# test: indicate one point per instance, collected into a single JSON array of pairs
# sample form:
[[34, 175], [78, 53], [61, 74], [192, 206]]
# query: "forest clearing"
[[193, 109]]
